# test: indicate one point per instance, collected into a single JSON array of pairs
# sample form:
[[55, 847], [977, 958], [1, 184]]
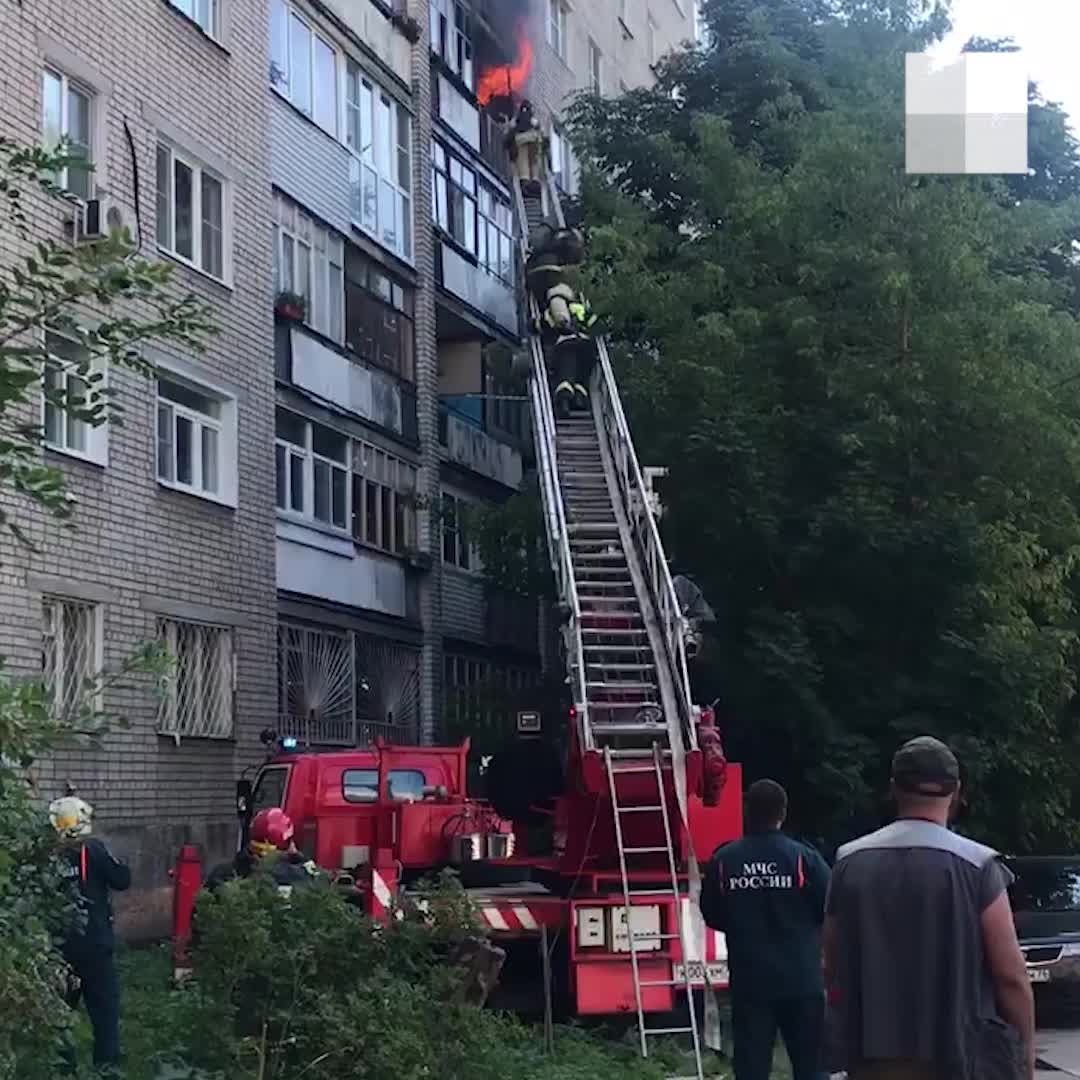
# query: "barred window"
[[198, 698], [71, 646]]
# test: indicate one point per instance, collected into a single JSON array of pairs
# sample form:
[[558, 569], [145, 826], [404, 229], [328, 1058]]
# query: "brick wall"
[[139, 549]]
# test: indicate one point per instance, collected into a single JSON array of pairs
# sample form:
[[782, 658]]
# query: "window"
[[309, 259], [312, 470], [378, 317], [482, 694], [651, 40], [191, 211], [451, 38], [384, 500], [196, 439], [473, 213], [303, 66], [595, 58], [362, 785], [556, 26], [379, 133], [562, 162], [198, 698], [203, 13], [457, 549], [67, 114], [66, 397], [71, 651], [270, 788]]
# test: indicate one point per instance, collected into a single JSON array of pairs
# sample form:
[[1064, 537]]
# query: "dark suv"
[[1046, 908]]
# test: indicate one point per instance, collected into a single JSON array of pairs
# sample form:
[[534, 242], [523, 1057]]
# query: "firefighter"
[[526, 145], [271, 836], [94, 872], [573, 352], [552, 255]]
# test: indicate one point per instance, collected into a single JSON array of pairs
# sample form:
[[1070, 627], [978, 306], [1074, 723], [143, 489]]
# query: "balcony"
[[338, 379], [460, 276], [465, 443]]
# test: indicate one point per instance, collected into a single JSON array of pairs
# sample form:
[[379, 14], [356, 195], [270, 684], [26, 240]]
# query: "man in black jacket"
[[88, 949], [766, 892]]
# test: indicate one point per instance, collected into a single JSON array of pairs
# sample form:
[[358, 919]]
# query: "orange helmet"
[[272, 828]]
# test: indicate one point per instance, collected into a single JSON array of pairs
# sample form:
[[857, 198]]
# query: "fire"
[[507, 78]]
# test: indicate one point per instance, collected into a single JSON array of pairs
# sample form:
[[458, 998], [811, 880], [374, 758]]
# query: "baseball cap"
[[926, 766]]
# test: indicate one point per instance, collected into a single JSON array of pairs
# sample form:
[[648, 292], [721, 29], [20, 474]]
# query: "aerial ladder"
[[624, 639]]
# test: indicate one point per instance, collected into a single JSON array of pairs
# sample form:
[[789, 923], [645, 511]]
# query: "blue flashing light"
[[288, 742]]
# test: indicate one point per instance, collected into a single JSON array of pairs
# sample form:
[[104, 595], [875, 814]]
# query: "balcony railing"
[[331, 731]]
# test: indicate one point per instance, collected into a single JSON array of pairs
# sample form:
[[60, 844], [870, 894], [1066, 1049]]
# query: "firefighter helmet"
[[71, 817], [271, 828]]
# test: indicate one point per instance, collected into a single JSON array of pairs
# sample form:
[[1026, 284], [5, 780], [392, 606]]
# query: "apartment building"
[[174, 512], [290, 511], [398, 409]]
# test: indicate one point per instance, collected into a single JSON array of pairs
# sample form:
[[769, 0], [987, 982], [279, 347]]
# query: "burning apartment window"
[[451, 38], [379, 134], [378, 317]]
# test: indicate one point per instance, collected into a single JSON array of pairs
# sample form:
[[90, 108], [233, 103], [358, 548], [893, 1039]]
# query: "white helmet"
[[71, 817]]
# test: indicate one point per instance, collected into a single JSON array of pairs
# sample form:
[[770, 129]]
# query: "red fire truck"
[[382, 817]]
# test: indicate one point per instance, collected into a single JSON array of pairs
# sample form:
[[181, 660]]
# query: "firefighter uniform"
[[766, 892], [573, 351], [88, 949]]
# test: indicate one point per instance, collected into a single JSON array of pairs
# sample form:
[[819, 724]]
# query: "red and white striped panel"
[[511, 918]]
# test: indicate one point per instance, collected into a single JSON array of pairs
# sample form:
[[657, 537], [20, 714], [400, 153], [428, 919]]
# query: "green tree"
[[110, 301], [862, 383]]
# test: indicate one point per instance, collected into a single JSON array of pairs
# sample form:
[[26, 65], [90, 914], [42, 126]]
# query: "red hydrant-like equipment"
[[714, 760], [187, 878]]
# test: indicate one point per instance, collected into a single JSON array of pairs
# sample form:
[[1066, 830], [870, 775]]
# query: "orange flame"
[[507, 78]]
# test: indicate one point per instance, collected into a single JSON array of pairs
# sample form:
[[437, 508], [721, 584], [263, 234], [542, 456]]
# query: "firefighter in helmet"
[[572, 350], [527, 147], [95, 873], [272, 837]]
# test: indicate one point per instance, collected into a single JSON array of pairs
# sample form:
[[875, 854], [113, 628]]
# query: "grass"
[[145, 980]]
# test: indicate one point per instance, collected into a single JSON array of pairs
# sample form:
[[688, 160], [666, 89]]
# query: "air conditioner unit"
[[95, 219]]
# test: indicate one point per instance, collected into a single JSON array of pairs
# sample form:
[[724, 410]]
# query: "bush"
[[309, 988]]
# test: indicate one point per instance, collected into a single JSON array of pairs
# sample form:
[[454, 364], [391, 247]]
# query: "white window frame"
[[286, 84], [596, 67], [650, 38], [401, 485], [296, 231], [220, 639], [468, 550], [205, 14], [95, 439], [389, 168], [452, 44], [167, 244], [562, 161], [225, 425], [555, 27], [56, 650], [68, 85], [310, 459]]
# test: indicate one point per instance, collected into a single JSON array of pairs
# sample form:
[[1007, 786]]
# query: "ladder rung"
[[656, 937], [662, 982], [652, 892], [639, 809], [645, 851], [668, 1031]]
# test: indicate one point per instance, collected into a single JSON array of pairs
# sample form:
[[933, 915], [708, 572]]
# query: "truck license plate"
[[1039, 974], [718, 973]]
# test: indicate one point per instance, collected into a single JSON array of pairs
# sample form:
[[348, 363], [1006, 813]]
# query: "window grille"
[[198, 698]]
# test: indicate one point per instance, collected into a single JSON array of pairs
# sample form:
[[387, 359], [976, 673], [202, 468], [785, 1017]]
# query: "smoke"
[[503, 17]]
